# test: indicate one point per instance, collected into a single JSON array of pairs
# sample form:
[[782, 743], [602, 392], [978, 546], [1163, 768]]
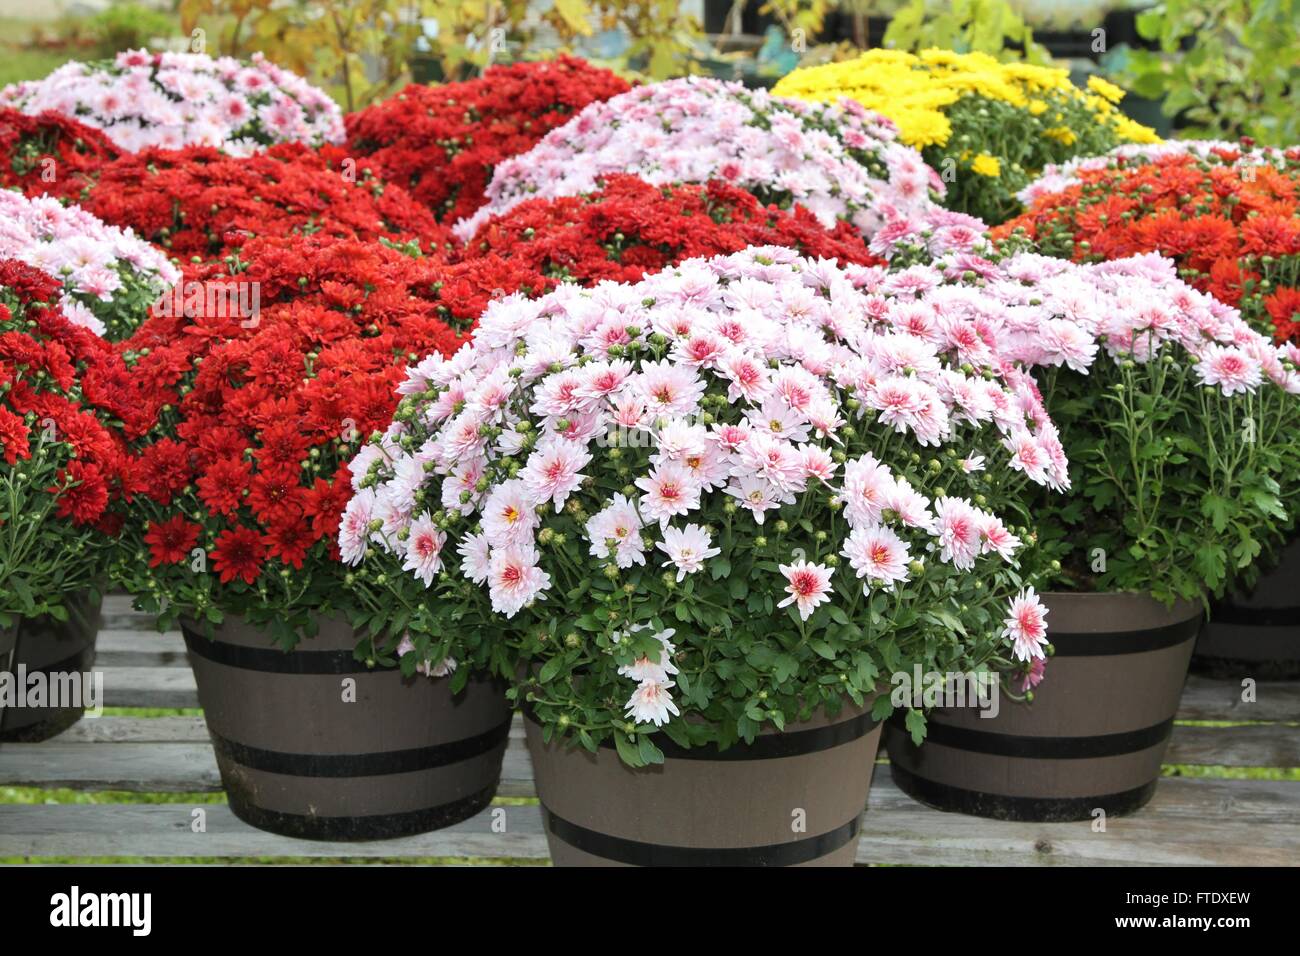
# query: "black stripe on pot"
[[378, 764], [765, 746], [272, 660], [380, 826], [636, 853], [1043, 748], [37, 724], [73, 663], [1106, 643], [1229, 613], [1031, 809]]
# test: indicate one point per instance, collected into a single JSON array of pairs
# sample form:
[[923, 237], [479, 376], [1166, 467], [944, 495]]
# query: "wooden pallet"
[[1192, 820]]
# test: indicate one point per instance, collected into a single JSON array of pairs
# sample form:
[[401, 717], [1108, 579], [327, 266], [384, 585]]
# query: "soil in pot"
[[1093, 738], [312, 743], [792, 798], [63, 651], [1256, 635]]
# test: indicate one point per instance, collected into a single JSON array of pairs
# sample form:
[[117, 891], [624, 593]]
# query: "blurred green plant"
[[966, 26], [127, 26], [365, 47], [1226, 68]]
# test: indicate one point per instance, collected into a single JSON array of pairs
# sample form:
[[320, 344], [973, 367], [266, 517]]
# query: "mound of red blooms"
[[254, 420], [441, 142], [49, 153], [1231, 224], [200, 202], [50, 428], [630, 228]]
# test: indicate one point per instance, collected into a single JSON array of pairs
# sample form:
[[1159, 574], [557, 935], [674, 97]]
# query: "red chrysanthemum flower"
[[239, 554], [82, 491], [223, 487], [442, 142], [13, 437], [50, 153], [171, 541], [290, 542], [198, 201], [629, 228], [1284, 308], [1230, 222]]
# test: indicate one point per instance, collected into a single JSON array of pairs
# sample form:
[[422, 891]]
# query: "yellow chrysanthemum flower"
[[1062, 134], [1004, 121], [914, 89], [1105, 89], [1131, 131], [986, 165]]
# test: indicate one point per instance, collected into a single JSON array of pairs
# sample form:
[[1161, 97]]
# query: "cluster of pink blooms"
[[1038, 311], [841, 162], [93, 260], [1058, 176], [172, 100], [935, 232], [508, 430], [1051, 312]]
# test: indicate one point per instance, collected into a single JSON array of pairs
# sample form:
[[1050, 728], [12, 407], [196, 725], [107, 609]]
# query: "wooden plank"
[[172, 755], [117, 614], [1205, 699], [149, 687], [136, 648], [164, 830], [163, 767], [1264, 745], [147, 730], [895, 830], [140, 730], [135, 767]]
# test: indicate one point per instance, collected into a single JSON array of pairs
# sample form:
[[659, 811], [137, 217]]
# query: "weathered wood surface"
[[172, 755], [1190, 822]]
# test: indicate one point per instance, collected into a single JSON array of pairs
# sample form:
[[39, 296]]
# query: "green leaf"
[[649, 753], [822, 649], [629, 752], [915, 723], [1217, 509], [550, 669], [881, 708]]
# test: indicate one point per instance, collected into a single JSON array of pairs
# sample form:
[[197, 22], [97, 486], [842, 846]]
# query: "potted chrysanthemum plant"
[[841, 162], [707, 520], [1227, 214], [141, 99], [1179, 422], [245, 424], [61, 464], [986, 127]]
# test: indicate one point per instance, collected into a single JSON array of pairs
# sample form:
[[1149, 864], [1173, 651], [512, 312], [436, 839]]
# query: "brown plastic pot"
[[789, 799], [53, 647], [312, 743], [1258, 634], [1094, 736]]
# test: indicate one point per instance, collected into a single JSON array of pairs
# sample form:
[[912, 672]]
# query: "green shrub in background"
[[128, 26], [1240, 73], [965, 26]]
